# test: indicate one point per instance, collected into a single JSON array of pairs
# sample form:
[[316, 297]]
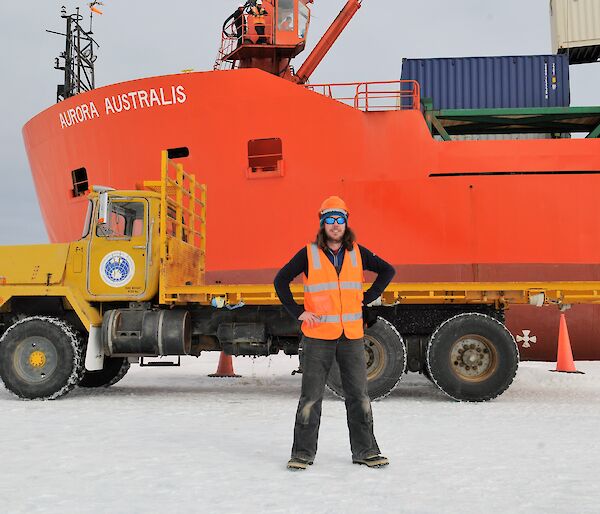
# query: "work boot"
[[297, 463], [375, 461]]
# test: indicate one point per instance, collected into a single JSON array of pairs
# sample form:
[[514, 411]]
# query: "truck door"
[[118, 256]]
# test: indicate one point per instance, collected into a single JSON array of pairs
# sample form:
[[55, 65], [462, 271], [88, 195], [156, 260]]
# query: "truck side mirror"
[[103, 209]]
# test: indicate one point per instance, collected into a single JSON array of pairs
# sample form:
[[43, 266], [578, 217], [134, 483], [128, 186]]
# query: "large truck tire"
[[115, 368], [41, 358], [385, 355], [472, 357]]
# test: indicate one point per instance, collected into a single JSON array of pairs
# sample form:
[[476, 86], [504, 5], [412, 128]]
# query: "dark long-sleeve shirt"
[[299, 264]]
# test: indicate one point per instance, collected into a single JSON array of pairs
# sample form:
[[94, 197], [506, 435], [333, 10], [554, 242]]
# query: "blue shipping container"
[[492, 82]]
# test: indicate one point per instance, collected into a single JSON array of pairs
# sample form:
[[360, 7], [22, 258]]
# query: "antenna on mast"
[[78, 59]]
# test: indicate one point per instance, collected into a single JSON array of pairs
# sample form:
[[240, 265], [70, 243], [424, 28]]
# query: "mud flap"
[[94, 355]]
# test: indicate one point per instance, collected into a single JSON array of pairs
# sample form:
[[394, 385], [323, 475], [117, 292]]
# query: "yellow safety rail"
[[499, 294], [182, 229]]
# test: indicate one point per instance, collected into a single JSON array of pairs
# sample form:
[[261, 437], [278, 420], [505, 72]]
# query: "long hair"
[[347, 241]]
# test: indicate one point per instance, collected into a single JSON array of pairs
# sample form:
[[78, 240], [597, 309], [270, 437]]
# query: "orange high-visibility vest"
[[337, 300], [259, 15]]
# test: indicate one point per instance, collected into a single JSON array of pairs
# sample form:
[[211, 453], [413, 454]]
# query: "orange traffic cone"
[[564, 358], [225, 367]]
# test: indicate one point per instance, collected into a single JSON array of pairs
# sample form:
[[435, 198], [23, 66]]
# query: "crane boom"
[[327, 41]]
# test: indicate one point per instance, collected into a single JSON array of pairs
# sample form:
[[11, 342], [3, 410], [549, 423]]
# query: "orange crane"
[[327, 41]]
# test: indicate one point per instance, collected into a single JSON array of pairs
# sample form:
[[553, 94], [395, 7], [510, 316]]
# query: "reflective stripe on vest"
[[335, 299], [329, 319], [332, 286], [353, 257], [351, 285], [314, 250], [336, 319]]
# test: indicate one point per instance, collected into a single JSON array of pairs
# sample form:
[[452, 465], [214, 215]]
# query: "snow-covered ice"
[[172, 440]]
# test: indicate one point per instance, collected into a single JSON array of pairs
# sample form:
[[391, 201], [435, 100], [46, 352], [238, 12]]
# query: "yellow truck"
[[132, 287]]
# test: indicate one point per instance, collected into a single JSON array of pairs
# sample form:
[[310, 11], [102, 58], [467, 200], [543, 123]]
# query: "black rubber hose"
[[247, 5]]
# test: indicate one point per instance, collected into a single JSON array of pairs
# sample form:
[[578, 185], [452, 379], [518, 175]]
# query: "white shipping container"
[[576, 29]]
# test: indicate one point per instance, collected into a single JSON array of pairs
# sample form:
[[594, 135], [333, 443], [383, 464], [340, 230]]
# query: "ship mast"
[[78, 58]]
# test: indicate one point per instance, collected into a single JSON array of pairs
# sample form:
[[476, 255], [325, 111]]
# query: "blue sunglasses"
[[333, 221]]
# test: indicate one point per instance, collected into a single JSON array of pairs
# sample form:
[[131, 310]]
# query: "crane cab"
[[291, 22], [267, 41]]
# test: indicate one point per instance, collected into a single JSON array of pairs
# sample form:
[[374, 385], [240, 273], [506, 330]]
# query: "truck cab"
[[74, 314], [116, 258]]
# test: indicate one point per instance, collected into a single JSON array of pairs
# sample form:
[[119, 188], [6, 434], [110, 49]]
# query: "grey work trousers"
[[317, 358]]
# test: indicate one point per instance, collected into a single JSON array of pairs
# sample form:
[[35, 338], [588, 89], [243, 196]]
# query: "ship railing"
[[238, 31], [394, 95], [229, 42]]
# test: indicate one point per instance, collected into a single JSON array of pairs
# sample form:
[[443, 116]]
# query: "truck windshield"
[[126, 219]]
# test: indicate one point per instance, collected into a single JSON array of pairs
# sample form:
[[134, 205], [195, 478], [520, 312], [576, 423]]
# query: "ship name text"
[[116, 104]]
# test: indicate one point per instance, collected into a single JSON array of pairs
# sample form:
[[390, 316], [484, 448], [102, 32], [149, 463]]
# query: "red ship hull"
[[487, 227]]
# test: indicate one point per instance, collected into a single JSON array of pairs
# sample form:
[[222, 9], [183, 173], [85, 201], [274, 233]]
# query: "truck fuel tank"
[[146, 332]]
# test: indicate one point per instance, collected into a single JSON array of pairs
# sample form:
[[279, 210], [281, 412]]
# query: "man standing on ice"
[[333, 328]]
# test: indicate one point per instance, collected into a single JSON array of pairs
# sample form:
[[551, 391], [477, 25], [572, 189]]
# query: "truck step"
[[159, 363]]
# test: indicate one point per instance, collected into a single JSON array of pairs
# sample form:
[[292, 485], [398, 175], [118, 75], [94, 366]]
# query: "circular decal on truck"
[[117, 269]]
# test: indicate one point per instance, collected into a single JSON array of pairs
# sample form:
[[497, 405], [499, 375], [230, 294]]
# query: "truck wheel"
[[40, 358], [472, 357], [115, 368], [385, 356]]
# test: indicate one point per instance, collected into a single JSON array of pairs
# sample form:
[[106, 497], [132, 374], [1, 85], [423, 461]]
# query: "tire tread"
[[508, 379], [76, 344]]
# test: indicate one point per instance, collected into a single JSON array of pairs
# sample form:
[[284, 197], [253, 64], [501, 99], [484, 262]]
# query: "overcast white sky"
[[144, 38]]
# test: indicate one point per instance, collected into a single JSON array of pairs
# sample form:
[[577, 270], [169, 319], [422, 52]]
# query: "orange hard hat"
[[334, 204]]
